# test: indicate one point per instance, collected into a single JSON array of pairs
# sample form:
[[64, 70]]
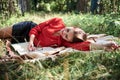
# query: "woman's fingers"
[[31, 47], [110, 46]]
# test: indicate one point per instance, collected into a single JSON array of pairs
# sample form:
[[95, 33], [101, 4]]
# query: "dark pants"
[[22, 6], [35, 4], [20, 31], [94, 6]]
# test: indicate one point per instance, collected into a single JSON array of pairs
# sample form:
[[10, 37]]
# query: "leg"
[[94, 6], [6, 33], [11, 53]]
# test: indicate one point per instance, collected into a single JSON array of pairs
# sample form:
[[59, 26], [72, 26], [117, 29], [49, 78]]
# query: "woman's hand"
[[110, 46], [31, 44], [104, 45], [31, 47]]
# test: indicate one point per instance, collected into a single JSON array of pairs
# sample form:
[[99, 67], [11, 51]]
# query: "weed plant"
[[76, 66]]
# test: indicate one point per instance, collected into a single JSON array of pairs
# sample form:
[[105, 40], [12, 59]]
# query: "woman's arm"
[[103, 45], [53, 22], [91, 45], [82, 46], [31, 43]]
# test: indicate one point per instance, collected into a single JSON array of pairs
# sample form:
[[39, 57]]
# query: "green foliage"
[[12, 8], [81, 66], [113, 26], [52, 5], [109, 6], [92, 24], [76, 66]]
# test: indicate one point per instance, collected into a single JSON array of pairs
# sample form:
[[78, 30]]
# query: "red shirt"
[[44, 35]]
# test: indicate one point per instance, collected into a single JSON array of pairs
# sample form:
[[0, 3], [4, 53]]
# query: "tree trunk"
[[82, 6], [28, 5]]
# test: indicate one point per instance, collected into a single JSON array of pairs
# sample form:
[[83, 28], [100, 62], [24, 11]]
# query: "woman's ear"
[[82, 36]]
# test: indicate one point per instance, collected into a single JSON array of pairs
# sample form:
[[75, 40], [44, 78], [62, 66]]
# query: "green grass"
[[76, 66], [109, 24]]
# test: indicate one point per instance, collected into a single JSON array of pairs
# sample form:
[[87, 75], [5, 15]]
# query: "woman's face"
[[68, 33]]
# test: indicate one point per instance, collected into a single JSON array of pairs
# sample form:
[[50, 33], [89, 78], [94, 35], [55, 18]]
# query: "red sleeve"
[[83, 46], [37, 29]]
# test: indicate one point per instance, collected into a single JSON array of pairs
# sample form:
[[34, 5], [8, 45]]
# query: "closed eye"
[[79, 32], [68, 30]]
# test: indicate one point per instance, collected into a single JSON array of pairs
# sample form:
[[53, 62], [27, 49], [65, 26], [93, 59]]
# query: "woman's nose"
[[64, 32]]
